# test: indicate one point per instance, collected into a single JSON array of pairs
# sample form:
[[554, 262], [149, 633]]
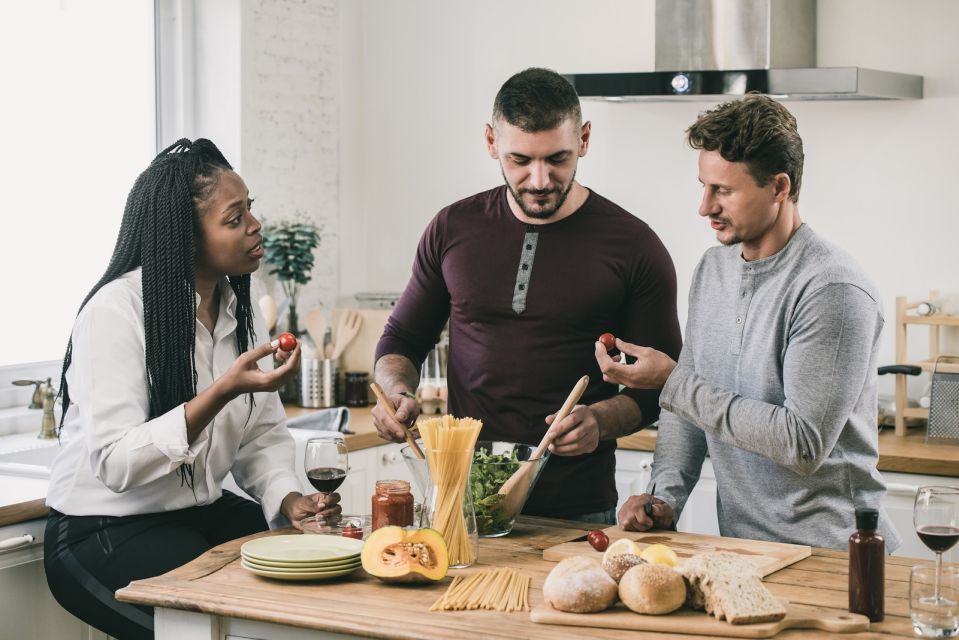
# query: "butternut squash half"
[[395, 554]]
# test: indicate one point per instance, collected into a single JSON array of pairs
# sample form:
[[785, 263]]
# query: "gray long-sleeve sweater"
[[777, 383]]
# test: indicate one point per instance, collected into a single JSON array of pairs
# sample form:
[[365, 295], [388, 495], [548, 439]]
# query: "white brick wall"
[[290, 128]]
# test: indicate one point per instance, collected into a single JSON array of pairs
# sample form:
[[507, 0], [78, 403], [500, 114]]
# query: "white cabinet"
[[900, 495], [633, 472], [27, 608]]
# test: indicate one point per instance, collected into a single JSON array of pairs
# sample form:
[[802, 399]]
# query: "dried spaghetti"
[[449, 452], [499, 589]]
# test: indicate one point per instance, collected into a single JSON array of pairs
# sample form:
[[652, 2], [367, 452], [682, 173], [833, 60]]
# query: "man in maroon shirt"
[[529, 275]]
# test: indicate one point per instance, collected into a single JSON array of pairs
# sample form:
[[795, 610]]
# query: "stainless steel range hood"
[[708, 50]]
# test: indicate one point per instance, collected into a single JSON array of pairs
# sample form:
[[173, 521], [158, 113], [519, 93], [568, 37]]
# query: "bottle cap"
[[867, 519]]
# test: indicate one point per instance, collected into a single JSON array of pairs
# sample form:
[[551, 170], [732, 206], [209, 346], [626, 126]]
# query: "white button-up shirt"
[[116, 462]]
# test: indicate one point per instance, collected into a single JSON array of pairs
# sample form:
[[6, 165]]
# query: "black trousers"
[[87, 558]]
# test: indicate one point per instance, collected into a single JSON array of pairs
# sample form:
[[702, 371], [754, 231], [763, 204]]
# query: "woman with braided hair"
[[168, 385]]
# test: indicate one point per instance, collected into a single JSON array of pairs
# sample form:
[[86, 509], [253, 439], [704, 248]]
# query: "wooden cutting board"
[[768, 556], [699, 623]]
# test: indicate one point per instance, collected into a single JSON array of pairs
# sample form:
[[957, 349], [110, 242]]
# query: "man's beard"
[[541, 214]]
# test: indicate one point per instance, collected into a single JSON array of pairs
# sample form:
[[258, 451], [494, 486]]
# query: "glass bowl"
[[493, 463], [350, 526]]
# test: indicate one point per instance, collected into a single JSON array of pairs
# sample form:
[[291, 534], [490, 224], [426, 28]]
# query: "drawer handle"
[[900, 489], [389, 458], [16, 542]]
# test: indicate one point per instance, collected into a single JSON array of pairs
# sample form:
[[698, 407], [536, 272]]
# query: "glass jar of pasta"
[[449, 505]]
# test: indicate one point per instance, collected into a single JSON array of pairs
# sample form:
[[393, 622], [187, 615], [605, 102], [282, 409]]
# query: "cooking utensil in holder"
[[318, 382], [944, 402]]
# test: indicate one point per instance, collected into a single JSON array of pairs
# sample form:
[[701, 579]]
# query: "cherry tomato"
[[609, 341], [287, 341], [597, 539], [351, 531]]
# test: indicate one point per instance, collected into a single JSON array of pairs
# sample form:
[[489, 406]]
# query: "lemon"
[[622, 546], [659, 554]]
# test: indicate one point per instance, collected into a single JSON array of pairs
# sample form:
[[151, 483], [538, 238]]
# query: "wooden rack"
[[934, 322]]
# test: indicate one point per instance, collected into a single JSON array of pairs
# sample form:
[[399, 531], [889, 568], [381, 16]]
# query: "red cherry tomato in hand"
[[287, 342], [609, 341], [351, 531], [597, 540]]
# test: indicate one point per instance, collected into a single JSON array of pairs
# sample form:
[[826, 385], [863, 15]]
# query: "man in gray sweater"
[[777, 376]]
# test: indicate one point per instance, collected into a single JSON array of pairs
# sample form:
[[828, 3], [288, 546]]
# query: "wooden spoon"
[[316, 326], [385, 401], [514, 490], [268, 309]]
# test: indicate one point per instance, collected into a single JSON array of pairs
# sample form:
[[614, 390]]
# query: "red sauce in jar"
[[392, 504]]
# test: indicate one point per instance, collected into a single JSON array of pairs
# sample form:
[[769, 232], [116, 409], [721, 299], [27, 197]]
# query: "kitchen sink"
[[25, 456]]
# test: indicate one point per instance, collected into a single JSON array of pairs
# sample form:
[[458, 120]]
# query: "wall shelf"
[[906, 316]]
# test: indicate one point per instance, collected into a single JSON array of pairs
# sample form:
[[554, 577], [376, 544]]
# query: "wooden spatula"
[[385, 401], [515, 489], [346, 330]]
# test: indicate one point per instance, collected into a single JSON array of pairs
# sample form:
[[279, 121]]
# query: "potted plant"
[[288, 247]]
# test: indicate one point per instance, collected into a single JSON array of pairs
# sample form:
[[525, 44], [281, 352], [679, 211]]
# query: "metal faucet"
[[48, 425], [44, 397], [36, 401]]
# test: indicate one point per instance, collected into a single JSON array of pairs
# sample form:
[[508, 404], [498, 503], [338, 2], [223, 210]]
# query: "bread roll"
[[652, 589], [579, 585], [617, 566]]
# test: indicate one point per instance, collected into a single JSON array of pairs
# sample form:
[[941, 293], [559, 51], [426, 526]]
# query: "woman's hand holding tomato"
[[245, 375]]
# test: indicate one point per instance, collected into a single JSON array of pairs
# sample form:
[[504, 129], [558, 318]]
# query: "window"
[[77, 125]]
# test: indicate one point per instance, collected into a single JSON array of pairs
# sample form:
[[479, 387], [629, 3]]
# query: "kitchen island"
[[214, 598]]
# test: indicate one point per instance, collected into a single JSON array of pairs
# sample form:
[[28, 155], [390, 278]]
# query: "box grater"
[[944, 402]]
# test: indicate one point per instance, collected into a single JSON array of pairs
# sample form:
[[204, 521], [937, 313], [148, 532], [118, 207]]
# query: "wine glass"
[[325, 461], [936, 518]]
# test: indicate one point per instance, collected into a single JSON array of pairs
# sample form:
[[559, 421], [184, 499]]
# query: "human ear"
[[491, 142], [783, 185], [584, 138]]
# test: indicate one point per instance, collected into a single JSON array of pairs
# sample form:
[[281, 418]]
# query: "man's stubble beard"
[[543, 214]]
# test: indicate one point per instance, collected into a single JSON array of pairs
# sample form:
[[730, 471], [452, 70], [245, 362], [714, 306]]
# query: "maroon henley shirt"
[[526, 304]]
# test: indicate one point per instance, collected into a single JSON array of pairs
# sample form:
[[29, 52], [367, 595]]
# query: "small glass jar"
[[392, 504], [357, 388]]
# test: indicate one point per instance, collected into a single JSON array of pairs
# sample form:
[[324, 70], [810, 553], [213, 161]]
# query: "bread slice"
[[729, 587], [713, 566], [742, 601]]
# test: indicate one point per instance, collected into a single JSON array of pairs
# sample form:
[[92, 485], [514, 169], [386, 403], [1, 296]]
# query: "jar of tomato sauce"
[[392, 504]]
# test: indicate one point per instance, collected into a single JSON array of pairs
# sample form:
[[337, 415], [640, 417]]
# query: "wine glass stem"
[[938, 573]]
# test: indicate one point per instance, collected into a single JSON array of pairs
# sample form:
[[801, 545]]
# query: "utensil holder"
[[318, 383]]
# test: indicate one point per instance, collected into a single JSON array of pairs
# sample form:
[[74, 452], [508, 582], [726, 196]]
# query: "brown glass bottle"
[[867, 567], [392, 504]]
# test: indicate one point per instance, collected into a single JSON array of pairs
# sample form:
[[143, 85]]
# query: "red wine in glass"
[[326, 479], [939, 538], [935, 515], [326, 461]]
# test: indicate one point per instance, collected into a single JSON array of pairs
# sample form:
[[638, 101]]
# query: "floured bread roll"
[[652, 589], [579, 585]]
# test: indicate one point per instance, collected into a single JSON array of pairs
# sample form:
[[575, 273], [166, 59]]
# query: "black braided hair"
[[158, 231]]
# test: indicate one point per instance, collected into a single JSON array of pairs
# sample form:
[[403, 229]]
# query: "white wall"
[[878, 176]]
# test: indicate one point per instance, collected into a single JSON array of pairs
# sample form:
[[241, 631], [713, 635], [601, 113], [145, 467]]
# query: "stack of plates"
[[300, 557]]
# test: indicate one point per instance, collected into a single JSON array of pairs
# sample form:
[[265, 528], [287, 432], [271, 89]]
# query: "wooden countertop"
[[215, 584], [909, 454]]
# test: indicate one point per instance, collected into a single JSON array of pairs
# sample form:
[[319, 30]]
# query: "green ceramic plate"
[[300, 575], [298, 548]]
